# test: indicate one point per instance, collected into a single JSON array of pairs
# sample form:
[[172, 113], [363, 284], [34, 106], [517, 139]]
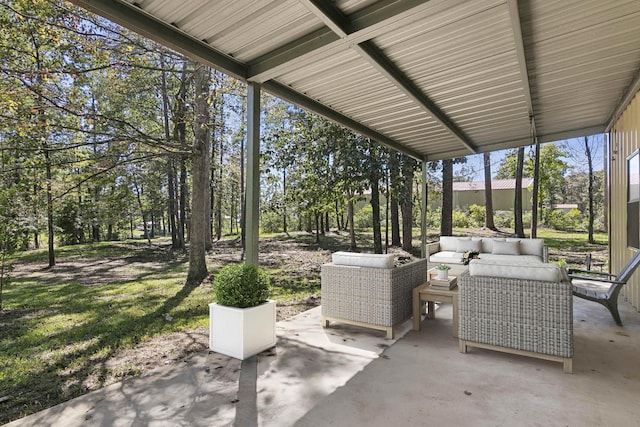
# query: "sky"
[[576, 158]]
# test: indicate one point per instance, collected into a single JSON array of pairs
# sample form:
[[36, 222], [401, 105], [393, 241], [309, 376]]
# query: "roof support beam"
[[286, 93], [522, 61], [340, 24], [376, 58], [137, 20], [339, 33]]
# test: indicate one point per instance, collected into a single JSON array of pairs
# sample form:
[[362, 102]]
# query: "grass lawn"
[[63, 329]]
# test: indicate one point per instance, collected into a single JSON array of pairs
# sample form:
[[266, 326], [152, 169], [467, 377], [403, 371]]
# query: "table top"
[[426, 288]]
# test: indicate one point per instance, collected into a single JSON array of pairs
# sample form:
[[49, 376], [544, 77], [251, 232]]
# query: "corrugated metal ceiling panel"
[[581, 59], [469, 67]]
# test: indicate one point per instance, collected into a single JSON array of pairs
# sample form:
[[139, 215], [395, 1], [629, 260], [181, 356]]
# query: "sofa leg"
[[567, 365], [463, 346], [325, 323], [390, 333]]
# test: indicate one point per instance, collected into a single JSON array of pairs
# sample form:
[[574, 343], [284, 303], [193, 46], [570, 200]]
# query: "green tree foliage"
[[553, 168]]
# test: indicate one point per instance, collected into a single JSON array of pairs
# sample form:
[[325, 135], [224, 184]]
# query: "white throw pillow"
[[506, 248], [467, 245]]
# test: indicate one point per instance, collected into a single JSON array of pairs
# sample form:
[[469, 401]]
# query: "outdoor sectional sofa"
[[501, 307], [450, 249], [367, 290]]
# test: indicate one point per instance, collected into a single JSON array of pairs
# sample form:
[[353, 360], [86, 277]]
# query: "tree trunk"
[[142, 211], [52, 256], [218, 213], [172, 208], [78, 230], [488, 194], [352, 230], [171, 182], [180, 136], [284, 201], [36, 232], [394, 170], [536, 192], [517, 206], [326, 222], [386, 217], [446, 225], [200, 177], [317, 218], [587, 150], [375, 207], [183, 201], [406, 204]]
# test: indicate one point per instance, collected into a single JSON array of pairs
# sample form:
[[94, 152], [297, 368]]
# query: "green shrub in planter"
[[241, 285]]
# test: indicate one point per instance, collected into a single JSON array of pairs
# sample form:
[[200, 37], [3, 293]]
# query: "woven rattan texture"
[[525, 315], [371, 295]]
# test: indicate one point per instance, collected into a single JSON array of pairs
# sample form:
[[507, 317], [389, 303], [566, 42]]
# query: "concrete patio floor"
[[349, 376]]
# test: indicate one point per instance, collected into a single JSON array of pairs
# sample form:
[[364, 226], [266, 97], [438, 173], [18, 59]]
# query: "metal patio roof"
[[435, 79]]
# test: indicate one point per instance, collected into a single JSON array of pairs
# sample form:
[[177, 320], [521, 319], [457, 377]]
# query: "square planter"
[[242, 332]]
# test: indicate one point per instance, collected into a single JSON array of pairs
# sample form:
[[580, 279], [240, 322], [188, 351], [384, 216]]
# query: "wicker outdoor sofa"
[[502, 308], [374, 294]]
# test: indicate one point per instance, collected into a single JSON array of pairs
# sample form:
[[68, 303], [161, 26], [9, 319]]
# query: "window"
[[633, 200]]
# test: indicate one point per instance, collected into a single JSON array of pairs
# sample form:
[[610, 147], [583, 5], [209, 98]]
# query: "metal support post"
[[253, 173]]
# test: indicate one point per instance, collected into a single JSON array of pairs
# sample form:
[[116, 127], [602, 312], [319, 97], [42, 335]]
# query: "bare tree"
[[350, 209], [535, 193], [517, 207], [587, 150], [374, 182], [394, 171], [488, 196], [446, 225], [406, 202]]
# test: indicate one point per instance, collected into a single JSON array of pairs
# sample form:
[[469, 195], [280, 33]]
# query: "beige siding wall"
[[502, 199], [623, 142]]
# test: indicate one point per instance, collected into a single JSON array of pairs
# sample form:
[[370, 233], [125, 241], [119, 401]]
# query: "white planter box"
[[242, 332]]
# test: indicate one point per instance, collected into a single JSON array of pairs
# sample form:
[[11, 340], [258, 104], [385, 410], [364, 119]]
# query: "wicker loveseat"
[[501, 308], [375, 294]]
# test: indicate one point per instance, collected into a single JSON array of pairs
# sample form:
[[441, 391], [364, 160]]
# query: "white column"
[[253, 173]]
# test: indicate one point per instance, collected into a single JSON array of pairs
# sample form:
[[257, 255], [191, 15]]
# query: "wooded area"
[[104, 132]]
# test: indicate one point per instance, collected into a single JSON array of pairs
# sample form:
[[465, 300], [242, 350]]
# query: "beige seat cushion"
[[516, 270]]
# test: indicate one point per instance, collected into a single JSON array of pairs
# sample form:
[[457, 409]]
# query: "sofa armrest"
[[545, 253], [432, 248]]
